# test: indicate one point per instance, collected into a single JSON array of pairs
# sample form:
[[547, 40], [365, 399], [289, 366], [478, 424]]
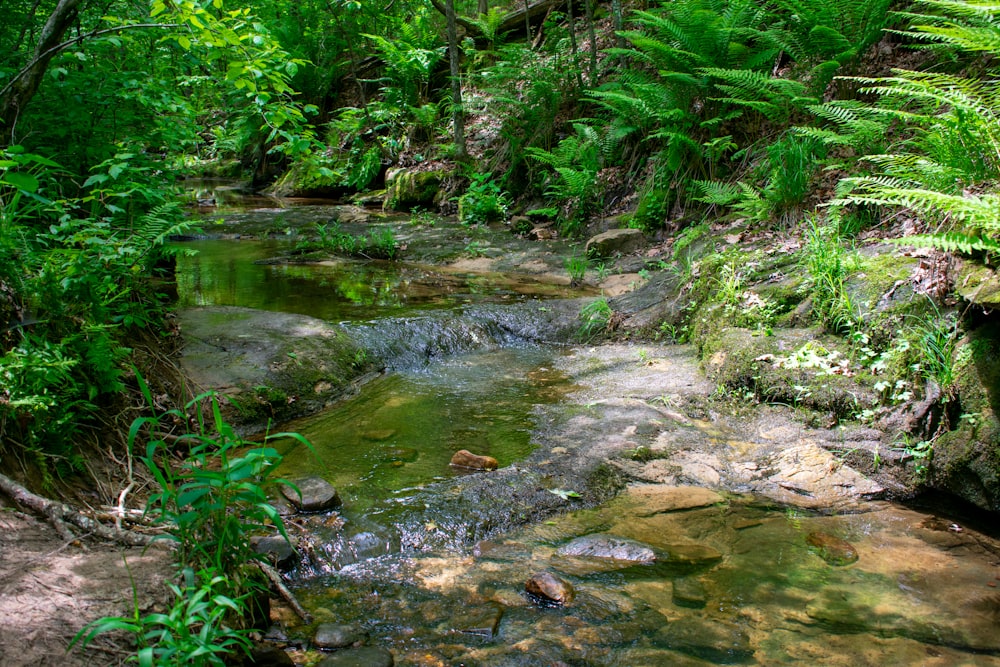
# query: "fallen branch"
[[61, 516], [289, 597]]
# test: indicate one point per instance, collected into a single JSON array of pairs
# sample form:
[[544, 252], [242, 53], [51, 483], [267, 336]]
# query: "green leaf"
[[25, 182]]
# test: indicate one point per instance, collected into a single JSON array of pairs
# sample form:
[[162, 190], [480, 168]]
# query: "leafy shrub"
[[482, 202]]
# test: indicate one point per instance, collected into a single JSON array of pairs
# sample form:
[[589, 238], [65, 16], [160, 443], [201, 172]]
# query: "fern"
[[156, 227]]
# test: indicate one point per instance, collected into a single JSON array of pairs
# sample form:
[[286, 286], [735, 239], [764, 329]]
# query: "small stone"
[[366, 656], [336, 635], [314, 494], [689, 592], [278, 550], [550, 589], [466, 459], [833, 550]]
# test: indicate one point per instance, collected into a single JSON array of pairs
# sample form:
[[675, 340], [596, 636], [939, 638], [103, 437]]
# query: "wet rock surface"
[[366, 656], [718, 641], [483, 622], [463, 458], [311, 494], [832, 549], [550, 589], [608, 547], [337, 635]]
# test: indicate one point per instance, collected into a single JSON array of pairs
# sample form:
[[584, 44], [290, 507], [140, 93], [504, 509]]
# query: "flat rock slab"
[[610, 547], [689, 592], [659, 498], [337, 635], [367, 656], [314, 494], [717, 641]]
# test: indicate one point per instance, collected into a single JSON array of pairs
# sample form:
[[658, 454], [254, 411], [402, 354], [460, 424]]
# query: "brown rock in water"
[[466, 459], [311, 494], [549, 588], [833, 550]]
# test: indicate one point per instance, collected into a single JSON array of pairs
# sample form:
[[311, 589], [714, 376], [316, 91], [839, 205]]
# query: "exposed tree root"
[[62, 516]]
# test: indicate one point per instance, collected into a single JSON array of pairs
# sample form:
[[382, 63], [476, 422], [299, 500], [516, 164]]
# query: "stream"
[[430, 562]]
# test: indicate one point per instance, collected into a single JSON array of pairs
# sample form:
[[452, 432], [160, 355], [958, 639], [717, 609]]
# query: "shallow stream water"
[[741, 585]]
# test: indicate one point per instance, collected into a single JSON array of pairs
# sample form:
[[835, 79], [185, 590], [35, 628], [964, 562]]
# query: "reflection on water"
[[402, 429], [234, 273]]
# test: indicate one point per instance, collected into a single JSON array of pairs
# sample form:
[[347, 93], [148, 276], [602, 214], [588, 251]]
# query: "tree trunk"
[[616, 17], [482, 7], [16, 95], [457, 113], [592, 36], [572, 44]]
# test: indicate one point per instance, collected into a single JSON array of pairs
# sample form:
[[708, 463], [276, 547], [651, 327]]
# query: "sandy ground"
[[50, 589]]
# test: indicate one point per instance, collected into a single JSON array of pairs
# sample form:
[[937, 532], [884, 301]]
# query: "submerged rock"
[[463, 458], [483, 622], [717, 641], [689, 592], [833, 550], [550, 589], [314, 494], [609, 547], [367, 656], [336, 635]]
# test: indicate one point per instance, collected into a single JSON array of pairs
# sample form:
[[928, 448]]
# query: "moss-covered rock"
[[303, 180], [407, 189], [967, 459], [793, 367], [979, 284]]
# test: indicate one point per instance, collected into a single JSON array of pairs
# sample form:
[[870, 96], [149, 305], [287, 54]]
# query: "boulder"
[[314, 494], [366, 656], [615, 242], [549, 589], [466, 459], [336, 635], [833, 550], [407, 189]]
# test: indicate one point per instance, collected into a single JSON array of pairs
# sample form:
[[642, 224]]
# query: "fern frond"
[[950, 242], [162, 222]]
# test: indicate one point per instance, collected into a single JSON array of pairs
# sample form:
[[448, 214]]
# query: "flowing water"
[[741, 585]]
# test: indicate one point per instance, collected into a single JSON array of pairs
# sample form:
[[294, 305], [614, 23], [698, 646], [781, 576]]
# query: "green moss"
[[407, 189], [605, 482]]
